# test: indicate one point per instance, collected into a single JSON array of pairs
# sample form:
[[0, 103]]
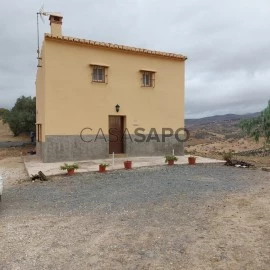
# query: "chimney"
[[56, 24]]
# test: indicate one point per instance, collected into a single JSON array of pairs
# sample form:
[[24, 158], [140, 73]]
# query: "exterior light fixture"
[[117, 108]]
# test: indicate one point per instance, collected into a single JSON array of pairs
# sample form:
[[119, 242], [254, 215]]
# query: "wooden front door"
[[116, 131]]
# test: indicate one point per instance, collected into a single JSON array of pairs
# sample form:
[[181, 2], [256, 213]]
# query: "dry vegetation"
[[213, 139]]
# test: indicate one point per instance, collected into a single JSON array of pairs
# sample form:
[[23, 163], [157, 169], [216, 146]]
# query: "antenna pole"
[[40, 13], [38, 36]]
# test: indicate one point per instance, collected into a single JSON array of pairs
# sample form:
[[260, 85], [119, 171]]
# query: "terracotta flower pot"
[[70, 171], [191, 160], [170, 162], [102, 169], [128, 165]]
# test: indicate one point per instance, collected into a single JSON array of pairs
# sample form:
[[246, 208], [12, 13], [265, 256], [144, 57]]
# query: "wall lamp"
[[117, 108]]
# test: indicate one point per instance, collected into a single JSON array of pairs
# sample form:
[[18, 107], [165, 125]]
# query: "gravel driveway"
[[180, 217]]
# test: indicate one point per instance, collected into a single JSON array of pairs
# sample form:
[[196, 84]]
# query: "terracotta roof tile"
[[116, 46]]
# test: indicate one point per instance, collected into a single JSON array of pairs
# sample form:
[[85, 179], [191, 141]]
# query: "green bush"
[[227, 155], [3, 111], [259, 126], [22, 117]]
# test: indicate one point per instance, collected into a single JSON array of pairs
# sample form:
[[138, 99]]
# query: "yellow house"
[[96, 98]]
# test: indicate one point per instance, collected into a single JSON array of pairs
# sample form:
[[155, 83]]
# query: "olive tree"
[[259, 126], [3, 111], [22, 117]]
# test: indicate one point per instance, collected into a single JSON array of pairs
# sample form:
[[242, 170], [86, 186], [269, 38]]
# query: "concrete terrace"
[[33, 164]]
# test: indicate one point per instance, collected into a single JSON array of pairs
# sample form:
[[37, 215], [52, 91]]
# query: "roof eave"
[[116, 47]]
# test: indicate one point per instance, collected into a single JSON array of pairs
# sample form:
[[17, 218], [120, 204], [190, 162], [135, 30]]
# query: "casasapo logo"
[[139, 135]]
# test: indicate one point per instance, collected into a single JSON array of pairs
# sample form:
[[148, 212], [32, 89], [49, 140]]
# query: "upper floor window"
[[148, 78], [99, 73]]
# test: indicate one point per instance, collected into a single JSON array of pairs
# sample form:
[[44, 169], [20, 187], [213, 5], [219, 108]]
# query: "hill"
[[219, 118], [212, 136]]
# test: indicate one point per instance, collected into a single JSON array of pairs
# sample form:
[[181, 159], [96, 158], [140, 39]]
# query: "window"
[[148, 78], [99, 73]]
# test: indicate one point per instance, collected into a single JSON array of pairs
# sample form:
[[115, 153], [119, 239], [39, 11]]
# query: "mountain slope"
[[218, 118]]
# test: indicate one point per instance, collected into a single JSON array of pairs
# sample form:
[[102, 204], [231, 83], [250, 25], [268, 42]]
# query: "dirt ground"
[[223, 146], [205, 217]]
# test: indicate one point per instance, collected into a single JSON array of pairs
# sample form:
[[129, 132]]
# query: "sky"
[[227, 43]]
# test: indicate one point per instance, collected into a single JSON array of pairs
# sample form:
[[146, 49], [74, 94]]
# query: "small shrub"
[[227, 155], [69, 166], [104, 165], [201, 135]]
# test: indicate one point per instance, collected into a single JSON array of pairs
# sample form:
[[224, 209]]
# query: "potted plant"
[[170, 159], [102, 167], [191, 160], [128, 164], [70, 168]]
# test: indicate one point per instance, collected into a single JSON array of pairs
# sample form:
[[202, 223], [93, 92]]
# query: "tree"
[[3, 111], [22, 117], [259, 126]]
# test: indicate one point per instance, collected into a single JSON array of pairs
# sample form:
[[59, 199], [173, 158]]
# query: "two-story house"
[[96, 98]]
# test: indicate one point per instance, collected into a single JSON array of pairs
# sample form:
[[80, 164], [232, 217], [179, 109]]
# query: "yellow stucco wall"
[[71, 101]]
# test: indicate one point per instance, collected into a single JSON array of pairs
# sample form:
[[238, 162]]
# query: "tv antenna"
[[40, 15]]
